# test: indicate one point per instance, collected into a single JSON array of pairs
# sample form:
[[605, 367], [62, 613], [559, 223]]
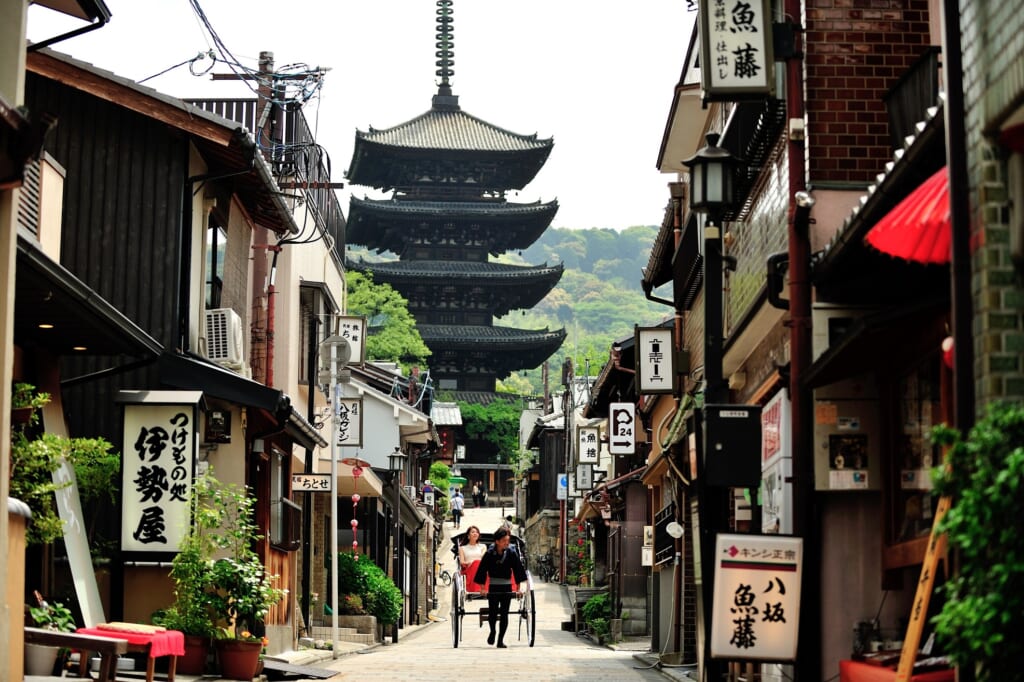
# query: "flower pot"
[[40, 659], [239, 660], [21, 415], [197, 649]]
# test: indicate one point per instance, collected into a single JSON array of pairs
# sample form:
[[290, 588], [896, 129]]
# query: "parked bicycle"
[[444, 576], [545, 567]]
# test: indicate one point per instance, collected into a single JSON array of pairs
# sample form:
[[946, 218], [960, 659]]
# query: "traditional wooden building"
[[449, 174]]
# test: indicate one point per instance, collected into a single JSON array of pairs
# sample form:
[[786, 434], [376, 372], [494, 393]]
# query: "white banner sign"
[[621, 428], [655, 372], [736, 49], [160, 446], [311, 483], [589, 444], [350, 422], [353, 330], [757, 597]]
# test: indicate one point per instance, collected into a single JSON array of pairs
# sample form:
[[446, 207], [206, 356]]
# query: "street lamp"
[[396, 463], [711, 193]]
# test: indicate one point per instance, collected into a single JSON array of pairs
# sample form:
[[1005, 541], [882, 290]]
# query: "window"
[[317, 308], [285, 515], [216, 244]]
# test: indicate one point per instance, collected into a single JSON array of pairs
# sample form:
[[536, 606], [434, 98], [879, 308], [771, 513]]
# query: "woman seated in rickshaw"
[[470, 554]]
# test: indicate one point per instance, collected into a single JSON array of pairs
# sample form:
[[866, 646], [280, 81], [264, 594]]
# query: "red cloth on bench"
[[166, 643]]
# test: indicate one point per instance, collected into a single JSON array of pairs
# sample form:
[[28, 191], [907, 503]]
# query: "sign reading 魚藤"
[[736, 49], [353, 329], [159, 454], [589, 445], [757, 597], [655, 371], [621, 428], [350, 422]]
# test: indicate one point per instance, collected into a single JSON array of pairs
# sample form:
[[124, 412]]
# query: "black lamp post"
[[711, 193], [396, 463]]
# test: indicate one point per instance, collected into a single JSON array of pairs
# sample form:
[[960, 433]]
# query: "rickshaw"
[[524, 617]]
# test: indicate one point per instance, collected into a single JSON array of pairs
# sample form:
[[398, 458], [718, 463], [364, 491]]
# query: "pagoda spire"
[[444, 99]]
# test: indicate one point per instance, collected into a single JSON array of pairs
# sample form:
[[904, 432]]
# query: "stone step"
[[356, 638], [325, 633]]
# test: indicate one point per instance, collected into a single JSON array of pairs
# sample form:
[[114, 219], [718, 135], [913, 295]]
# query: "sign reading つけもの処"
[[736, 49], [756, 609], [160, 443]]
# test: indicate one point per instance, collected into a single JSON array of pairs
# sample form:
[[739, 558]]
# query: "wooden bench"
[[108, 648]]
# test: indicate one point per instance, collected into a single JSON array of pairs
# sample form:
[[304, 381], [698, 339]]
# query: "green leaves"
[[360, 576], [985, 600], [394, 337]]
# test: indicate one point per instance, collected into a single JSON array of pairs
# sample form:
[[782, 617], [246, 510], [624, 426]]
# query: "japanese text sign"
[[353, 330], [736, 49], [621, 428], [757, 597], [589, 444], [655, 371], [159, 455], [311, 483], [350, 422]]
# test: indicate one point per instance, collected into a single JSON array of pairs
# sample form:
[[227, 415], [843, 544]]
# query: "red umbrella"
[[917, 228]]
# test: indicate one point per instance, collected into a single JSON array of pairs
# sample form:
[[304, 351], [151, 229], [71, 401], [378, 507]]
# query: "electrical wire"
[[191, 64]]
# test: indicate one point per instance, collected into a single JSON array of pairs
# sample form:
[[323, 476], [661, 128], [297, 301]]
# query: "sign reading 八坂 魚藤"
[[756, 609], [160, 446]]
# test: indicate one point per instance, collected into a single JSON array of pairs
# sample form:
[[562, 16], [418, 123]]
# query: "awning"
[[193, 372], [918, 228], [78, 321], [874, 342]]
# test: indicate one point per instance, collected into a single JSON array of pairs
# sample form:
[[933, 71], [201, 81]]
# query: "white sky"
[[596, 75]]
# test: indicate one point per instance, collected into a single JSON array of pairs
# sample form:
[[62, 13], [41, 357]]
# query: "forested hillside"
[[597, 301], [599, 298]]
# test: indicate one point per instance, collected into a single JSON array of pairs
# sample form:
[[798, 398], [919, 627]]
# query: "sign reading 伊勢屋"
[[756, 609], [736, 49]]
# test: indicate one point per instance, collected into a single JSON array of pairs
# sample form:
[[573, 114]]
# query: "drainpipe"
[[271, 291], [805, 523]]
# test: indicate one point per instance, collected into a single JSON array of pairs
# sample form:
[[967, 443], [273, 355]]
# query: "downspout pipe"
[[101, 18], [805, 521]]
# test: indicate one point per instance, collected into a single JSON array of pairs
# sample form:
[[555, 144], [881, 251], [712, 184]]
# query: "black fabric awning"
[[876, 342], [196, 373], [56, 311]]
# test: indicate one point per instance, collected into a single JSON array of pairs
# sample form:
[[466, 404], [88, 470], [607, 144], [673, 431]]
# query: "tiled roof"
[[508, 337], [456, 209], [454, 130], [457, 269], [446, 414]]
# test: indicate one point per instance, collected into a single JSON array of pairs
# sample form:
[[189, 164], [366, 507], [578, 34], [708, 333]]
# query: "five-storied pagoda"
[[449, 173]]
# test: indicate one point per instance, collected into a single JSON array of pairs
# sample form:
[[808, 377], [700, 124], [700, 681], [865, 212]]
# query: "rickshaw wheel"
[[456, 613]]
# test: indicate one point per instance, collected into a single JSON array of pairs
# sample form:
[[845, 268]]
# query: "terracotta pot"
[[238, 660], [21, 415], [197, 649]]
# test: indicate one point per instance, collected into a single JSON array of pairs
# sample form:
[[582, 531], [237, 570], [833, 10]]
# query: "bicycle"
[[445, 577]]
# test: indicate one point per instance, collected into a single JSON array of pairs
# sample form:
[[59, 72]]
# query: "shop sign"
[[736, 49]]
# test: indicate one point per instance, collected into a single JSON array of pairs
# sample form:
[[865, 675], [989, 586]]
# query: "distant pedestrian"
[[476, 495], [458, 504]]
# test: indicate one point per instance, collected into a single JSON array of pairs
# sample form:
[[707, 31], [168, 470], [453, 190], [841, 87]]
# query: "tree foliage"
[[497, 423], [394, 336]]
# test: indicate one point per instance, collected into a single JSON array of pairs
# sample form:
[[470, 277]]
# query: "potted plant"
[[41, 659], [24, 403], [239, 590]]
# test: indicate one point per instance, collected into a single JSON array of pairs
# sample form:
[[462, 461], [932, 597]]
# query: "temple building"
[[448, 174]]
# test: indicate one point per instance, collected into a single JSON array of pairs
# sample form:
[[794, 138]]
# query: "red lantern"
[[580, 542], [581, 555]]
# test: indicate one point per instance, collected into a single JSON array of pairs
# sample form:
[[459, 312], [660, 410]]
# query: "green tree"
[[393, 337], [438, 475], [496, 423]]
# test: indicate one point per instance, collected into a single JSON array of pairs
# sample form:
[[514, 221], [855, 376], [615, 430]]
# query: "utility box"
[[732, 445]]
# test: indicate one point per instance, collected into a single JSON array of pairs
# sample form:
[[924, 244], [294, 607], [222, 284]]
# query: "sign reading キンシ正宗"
[[757, 597], [736, 49], [160, 445]]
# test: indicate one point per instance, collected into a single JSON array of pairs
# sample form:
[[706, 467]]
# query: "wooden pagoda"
[[448, 174]]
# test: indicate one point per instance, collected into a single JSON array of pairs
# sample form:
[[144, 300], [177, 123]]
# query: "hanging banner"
[[160, 445], [588, 444], [350, 422], [655, 372], [756, 610], [736, 50], [352, 328]]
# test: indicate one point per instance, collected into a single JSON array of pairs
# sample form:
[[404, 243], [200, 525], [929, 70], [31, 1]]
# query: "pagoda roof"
[[510, 349], [385, 225], [382, 158]]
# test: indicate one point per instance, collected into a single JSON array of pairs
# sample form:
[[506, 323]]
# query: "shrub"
[[360, 576], [596, 613]]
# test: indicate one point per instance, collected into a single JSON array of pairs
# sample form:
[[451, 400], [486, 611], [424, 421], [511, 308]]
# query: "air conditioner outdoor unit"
[[410, 490], [830, 322], [224, 341]]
